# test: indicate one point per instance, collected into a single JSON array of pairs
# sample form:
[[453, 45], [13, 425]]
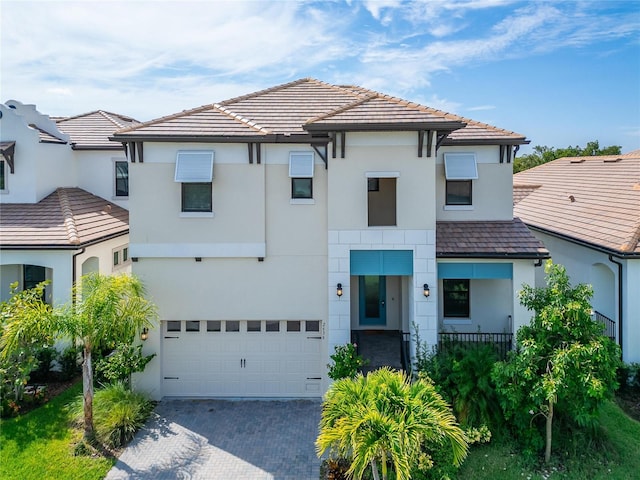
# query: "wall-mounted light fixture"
[[426, 292], [339, 290], [145, 334]]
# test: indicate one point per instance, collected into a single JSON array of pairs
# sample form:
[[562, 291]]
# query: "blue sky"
[[561, 72]]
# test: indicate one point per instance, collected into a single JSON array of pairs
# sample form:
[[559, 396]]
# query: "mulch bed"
[[53, 389]]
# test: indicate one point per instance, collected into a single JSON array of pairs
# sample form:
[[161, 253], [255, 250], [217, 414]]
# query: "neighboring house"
[[63, 196], [586, 210], [271, 227]]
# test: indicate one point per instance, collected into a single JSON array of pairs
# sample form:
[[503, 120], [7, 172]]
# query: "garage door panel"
[[215, 362]]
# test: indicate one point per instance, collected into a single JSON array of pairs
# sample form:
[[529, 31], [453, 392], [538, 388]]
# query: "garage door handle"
[[314, 378], [318, 338], [171, 337], [172, 378]]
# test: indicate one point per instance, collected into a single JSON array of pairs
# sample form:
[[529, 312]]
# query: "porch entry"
[[372, 267]]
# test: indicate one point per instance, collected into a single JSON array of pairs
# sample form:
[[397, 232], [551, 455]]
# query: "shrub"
[[564, 364], [120, 364], [628, 376], [118, 413], [346, 362], [69, 361], [45, 356], [462, 374]]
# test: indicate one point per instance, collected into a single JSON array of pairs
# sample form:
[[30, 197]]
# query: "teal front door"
[[373, 309]]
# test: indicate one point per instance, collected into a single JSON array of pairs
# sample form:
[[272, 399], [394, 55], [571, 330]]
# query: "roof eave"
[[386, 126], [65, 247], [515, 256], [96, 147], [487, 141], [193, 138], [584, 243]]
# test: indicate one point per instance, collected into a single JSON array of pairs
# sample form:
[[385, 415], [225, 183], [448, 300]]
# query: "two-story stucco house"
[[587, 211], [271, 227], [63, 199]]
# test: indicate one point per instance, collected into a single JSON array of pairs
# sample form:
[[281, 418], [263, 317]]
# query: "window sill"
[[456, 321], [121, 197], [302, 201], [197, 214], [458, 207]]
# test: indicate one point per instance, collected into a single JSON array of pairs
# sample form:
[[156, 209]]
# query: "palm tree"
[[106, 310], [383, 418]]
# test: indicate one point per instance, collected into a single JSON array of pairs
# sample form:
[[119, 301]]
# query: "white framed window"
[[194, 170], [120, 256], [3, 175], [460, 166], [301, 166], [121, 178]]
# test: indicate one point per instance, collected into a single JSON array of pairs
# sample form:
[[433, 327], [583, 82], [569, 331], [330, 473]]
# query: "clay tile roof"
[[590, 199], [67, 218], [92, 130], [489, 239], [304, 105], [46, 137]]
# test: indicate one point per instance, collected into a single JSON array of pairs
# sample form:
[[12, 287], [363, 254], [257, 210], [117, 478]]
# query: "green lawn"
[[617, 459], [39, 445]]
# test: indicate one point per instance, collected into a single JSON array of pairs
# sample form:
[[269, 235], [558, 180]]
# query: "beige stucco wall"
[[96, 173], [387, 153], [492, 192]]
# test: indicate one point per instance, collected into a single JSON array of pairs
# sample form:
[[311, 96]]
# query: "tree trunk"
[[87, 394], [374, 469], [547, 450]]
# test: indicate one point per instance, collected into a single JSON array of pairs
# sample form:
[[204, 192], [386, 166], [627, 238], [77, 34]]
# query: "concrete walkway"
[[219, 439]]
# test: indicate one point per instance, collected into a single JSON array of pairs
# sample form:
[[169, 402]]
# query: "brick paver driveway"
[[218, 439]]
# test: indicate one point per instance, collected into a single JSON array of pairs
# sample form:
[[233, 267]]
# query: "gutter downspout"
[[73, 270], [619, 299]]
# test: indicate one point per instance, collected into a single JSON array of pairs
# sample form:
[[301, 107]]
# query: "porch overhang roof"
[[489, 239]]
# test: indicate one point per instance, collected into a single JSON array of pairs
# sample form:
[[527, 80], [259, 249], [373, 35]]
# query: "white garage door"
[[247, 358]]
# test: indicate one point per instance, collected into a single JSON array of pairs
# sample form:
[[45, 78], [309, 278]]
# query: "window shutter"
[[301, 164], [194, 167], [460, 166]]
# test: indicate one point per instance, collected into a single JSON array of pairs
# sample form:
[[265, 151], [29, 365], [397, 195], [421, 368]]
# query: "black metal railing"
[[405, 352], [502, 342], [609, 325]]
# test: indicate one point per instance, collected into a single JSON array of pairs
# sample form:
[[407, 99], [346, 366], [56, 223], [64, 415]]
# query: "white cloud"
[[147, 59], [480, 108]]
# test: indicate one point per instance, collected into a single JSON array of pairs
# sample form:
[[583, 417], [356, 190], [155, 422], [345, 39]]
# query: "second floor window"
[[301, 174], [3, 185], [459, 192], [122, 179], [194, 170], [197, 197], [381, 202]]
